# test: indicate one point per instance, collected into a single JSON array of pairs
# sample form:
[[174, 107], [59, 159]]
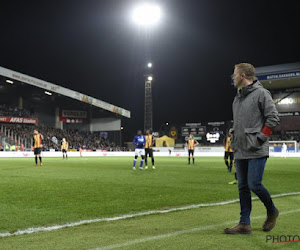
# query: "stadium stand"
[[6, 110], [22, 134], [27, 103]]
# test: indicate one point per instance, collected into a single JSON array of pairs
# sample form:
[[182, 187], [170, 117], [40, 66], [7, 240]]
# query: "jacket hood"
[[248, 89]]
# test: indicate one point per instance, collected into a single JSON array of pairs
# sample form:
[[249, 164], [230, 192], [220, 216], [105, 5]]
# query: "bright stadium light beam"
[[146, 14], [48, 93], [150, 78], [149, 65]]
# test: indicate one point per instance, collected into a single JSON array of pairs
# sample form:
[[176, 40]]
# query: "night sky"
[[94, 48]]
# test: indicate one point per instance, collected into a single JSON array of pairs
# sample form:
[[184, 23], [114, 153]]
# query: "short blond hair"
[[247, 69]]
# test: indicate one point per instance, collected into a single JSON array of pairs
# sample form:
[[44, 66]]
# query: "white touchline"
[[185, 231], [126, 216]]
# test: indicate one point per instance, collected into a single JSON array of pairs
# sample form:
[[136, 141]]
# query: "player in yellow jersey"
[[64, 148], [37, 146], [228, 151], [149, 149], [191, 143]]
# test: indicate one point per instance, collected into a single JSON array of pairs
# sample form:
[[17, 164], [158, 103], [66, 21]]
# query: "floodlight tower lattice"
[[146, 15], [148, 112]]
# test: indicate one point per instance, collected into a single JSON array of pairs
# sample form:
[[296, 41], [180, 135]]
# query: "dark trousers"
[[249, 174]]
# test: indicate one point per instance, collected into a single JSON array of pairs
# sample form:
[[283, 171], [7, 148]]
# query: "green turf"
[[87, 188]]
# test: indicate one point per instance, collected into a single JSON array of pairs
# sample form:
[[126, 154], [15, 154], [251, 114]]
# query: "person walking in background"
[[139, 142], [191, 143], [37, 145], [254, 118]]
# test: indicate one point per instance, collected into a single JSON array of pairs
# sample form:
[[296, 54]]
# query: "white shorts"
[[139, 152]]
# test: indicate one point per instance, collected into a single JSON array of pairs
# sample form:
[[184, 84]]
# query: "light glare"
[[146, 14]]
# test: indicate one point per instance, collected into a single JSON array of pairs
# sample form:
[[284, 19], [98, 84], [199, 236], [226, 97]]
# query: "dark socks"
[[36, 160]]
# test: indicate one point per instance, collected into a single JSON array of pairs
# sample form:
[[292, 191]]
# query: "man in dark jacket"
[[254, 117]]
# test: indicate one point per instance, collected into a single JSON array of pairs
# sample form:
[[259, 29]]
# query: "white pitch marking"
[[186, 231], [126, 216]]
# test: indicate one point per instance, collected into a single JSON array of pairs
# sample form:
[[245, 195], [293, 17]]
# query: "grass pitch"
[[77, 189]]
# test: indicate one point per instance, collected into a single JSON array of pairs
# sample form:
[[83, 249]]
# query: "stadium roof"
[[63, 91], [281, 76]]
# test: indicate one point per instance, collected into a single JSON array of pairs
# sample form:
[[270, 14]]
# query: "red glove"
[[267, 131]]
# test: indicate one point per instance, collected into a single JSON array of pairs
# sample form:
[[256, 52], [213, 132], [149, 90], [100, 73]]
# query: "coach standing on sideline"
[[254, 117]]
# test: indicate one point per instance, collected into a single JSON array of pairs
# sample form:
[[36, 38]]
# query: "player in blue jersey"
[[139, 142]]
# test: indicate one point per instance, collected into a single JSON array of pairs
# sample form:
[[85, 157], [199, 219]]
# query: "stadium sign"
[[74, 114], [212, 137], [193, 124], [216, 127], [193, 130], [73, 120], [199, 138], [173, 132], [216, 124], [285, 75], [23, 120], [282, 114]]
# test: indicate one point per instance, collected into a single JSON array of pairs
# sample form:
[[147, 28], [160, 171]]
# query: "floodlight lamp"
[[150, 78], [146, 14], [149, 65], [9, 81]]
